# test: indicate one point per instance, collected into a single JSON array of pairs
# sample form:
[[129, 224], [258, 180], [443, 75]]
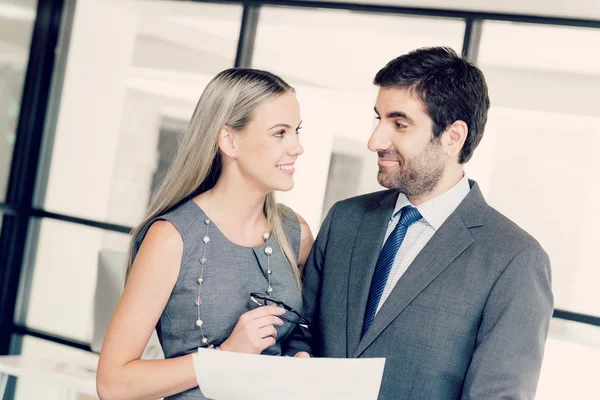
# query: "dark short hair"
[[451, 88]]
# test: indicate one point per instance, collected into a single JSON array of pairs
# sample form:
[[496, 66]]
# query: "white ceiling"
[[585, 9]]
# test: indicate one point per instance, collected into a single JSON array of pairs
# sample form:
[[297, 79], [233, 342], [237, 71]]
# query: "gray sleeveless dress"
[[230, 274]]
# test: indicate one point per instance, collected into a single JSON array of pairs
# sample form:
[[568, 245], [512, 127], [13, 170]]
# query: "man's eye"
[[400, 126]]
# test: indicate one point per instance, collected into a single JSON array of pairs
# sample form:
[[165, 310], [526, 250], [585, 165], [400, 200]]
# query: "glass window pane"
[[570, 368], [537, 163], [16, 25], [129, 89], [331, 58], [51, 366], [67, 261]]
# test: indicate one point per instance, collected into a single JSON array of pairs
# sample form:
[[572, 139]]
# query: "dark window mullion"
[[423, 12], [245, 49], [472, 39], [108, 226], [24, 330], [26, 152]]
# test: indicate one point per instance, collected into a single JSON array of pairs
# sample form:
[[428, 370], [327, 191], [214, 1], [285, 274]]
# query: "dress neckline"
[[216, 228]]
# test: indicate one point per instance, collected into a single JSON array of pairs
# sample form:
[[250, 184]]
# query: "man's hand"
[[302, 354]]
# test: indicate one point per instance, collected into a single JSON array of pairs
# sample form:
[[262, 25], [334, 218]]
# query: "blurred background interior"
[[94, 93]]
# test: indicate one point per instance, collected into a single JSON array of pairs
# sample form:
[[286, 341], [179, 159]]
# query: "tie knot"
[[409, 215]]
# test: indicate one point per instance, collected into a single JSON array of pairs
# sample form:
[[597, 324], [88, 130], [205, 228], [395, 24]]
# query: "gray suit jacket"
[[468, 319]]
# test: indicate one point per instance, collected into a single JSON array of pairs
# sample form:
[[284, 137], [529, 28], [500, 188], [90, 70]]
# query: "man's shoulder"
[[490, 227], [365, 202], [502, 230]]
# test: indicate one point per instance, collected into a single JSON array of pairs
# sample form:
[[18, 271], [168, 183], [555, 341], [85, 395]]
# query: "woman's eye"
[[279, 134], [298, 129]]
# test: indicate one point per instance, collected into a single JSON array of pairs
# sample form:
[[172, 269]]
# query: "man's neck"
[[449, 179]]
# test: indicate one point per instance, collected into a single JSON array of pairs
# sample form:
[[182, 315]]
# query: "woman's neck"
[[233, 200]]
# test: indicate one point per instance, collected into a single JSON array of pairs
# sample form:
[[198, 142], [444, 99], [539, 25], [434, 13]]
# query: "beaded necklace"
[[203, 261]]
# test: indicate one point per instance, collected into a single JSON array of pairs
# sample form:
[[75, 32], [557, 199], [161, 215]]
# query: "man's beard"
[[414, 177]]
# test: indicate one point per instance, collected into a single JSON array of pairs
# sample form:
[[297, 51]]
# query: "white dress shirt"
[[434, 212]]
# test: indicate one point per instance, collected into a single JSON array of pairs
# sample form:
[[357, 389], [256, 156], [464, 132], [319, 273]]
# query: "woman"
[[214, 234]]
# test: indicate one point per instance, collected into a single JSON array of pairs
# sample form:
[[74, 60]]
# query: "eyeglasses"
[[295, 318]]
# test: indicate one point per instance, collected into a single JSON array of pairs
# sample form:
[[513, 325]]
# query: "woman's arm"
[[121, 373]]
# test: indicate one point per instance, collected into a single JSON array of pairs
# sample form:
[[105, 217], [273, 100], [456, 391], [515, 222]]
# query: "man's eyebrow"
[[399, 114], [396, 114]]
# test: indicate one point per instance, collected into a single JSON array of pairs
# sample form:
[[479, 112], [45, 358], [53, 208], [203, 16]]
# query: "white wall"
[[542, 173], [91, 107], [81, 173]]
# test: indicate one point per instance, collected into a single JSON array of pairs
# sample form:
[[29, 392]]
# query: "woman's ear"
[[453, 139], [227, 142]]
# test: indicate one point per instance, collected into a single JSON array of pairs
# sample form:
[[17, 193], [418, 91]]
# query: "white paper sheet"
[[225, 375]]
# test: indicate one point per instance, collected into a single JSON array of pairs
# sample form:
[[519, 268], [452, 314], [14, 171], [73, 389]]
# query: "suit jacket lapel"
[[368, 243], [445, 246], [442, 249]]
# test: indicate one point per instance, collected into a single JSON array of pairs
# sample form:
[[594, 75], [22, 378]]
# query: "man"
[[455, 296]]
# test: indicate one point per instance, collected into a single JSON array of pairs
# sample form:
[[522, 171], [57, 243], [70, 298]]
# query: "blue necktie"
[[408, 216]]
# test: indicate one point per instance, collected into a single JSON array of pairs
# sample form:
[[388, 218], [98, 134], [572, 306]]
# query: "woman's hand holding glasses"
[[254, 331]]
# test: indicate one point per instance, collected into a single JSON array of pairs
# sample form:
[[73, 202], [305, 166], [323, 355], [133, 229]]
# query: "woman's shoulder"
[[165, 235], [184, 216], [294, 220], [303, 233], [290, 218]]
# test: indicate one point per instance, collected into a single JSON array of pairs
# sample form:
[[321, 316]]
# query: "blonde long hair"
[[229, 99]]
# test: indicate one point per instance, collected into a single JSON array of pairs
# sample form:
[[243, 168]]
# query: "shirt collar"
[[436, 210]]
